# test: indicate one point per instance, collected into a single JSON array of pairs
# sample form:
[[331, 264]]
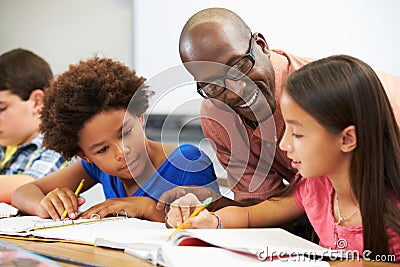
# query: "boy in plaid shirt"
[[23, 76]]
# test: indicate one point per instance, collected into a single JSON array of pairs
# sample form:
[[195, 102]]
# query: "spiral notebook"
[[29, 225]]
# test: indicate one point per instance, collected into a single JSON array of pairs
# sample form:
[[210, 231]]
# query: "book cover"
[[11, 255]]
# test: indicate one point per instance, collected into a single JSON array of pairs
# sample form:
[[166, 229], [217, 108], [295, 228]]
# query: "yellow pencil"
[[206, 202], [77, 191]]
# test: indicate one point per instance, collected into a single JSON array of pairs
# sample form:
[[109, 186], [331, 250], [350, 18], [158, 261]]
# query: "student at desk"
[[23, 76], [341, 135], [95, 110]]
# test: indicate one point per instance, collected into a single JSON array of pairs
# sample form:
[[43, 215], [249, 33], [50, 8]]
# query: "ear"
[[141, 119], [260, 40], [83, 156], [348, 139], [36, 98]]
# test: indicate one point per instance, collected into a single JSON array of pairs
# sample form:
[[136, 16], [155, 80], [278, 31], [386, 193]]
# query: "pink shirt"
[[319, 210], [247, 154]]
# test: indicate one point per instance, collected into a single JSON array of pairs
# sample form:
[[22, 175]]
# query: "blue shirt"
[[187, 165], [33, 159]]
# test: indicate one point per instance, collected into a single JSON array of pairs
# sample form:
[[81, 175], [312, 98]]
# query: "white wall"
[[63, 32], [144, 34], [368, 29]]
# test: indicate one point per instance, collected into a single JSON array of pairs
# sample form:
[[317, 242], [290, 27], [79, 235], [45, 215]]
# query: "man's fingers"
[[170, 196]]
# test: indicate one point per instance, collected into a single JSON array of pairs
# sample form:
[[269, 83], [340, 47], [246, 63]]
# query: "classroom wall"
[[65, 31], [367, 29], [144, 34]]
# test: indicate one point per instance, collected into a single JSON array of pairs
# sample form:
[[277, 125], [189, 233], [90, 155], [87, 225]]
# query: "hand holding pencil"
[[184, 224], [77, 191]]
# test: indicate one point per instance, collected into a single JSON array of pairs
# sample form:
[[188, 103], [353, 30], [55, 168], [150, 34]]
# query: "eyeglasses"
[[238, 71]]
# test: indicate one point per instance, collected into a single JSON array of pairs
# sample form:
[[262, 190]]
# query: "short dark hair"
[[22, 72], [85, 90]]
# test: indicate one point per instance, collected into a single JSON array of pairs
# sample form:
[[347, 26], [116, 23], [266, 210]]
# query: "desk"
[[112, 257], [84, 253]]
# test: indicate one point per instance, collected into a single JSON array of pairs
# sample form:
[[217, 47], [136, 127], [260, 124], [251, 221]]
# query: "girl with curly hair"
[[95, 110]]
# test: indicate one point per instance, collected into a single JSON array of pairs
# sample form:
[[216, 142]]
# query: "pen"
[[77, 191], [206, 202]]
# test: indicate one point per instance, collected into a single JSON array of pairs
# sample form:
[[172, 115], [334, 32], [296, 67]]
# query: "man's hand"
[[170, 196]]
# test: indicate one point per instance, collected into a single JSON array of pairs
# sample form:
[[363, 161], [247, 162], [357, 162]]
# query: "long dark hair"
[[340, 91]]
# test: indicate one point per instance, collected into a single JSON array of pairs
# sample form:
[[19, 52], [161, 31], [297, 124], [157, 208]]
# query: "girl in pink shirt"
[[342, 137]]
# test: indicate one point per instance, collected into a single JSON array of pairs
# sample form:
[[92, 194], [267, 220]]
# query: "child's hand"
[[136, 207], [182, 208], [57, 201]]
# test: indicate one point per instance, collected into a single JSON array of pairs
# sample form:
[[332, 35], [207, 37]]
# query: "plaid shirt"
[[33, 159]]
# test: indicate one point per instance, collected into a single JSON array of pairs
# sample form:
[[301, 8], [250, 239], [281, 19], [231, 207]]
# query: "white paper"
[[7, 210]]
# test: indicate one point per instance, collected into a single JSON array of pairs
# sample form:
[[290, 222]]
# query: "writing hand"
[[58, 200], [181, 209]]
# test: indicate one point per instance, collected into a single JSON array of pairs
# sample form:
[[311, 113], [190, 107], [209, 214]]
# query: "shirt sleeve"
[[92, 170], [198, 169], [299, 191], [44, 163]]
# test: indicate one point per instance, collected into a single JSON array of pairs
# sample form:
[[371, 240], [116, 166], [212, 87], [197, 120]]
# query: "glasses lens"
[[240, 69], [214, 88]]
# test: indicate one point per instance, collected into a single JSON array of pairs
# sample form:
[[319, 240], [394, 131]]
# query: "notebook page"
[[7, 210], [252, 241], [126, 230]]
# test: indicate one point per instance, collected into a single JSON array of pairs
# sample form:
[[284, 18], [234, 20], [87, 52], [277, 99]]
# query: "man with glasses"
[[241, 80]]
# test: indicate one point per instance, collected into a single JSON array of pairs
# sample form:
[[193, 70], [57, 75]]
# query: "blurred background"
[[144, 35]]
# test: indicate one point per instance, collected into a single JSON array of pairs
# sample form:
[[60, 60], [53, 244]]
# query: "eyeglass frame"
[[249, 55]]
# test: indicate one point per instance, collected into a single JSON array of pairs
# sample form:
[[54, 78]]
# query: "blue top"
[[187, 165]]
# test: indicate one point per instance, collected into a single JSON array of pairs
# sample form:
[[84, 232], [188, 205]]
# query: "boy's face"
[[110, 137], [19, 120]]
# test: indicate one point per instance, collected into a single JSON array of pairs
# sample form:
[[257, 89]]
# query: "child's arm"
[[266, 214], [137, 207], [9, 183], [52, 194]]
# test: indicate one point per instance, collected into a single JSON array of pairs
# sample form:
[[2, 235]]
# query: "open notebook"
[[148, 240], [236, 247]]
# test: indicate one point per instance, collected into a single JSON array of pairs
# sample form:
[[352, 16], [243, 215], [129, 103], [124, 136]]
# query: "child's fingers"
[[181, 209], [203, 220], [64, 199], [48, 206]]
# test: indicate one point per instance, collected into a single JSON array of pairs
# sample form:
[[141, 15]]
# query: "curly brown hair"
[[83, 91]]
